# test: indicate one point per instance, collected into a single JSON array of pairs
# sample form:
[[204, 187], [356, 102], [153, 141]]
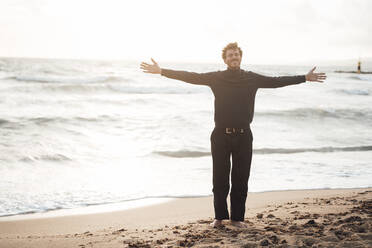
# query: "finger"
[[146, 66], [143, 63], [320, 73], [313, 69], [320, 76], [154, 61]]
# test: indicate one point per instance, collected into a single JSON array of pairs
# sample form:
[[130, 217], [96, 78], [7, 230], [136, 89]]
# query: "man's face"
[[233, 58]]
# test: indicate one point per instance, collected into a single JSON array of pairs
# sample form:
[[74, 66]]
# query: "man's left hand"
[[316, 77]]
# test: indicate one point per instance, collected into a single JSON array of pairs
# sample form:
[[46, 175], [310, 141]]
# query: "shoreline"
[[169, 222], [90, 209], [125, 205]]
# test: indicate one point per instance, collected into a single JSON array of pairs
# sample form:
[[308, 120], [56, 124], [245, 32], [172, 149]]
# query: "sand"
[[300, 218]]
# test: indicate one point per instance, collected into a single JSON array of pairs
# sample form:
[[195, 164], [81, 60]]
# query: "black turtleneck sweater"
[[234, 92]]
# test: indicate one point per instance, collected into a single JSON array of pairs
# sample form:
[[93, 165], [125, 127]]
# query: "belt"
[[229, 130]]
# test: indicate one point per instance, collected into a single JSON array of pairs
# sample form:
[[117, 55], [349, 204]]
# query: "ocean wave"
[[193, 154], [4, 76], [320, 113], [74, 80], [182, 154], [354, 77], [355, 92], [68, 205], [320, 149], [20, 213], [22, 121], [3, 121], [49, 157], [361, 77], [119, 87], [99, 118], [151, 90]]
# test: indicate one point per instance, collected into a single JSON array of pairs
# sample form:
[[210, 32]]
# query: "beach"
[[130, 165], [132, 135], [116, 117], [292, 218]]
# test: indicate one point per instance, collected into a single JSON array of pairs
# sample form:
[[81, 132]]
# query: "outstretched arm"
[[188, 77], [274, 82]]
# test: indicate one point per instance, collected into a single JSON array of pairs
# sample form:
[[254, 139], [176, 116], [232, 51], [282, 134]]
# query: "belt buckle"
[[229, 130]]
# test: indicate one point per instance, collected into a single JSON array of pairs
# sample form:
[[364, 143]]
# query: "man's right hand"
[[154, 68]]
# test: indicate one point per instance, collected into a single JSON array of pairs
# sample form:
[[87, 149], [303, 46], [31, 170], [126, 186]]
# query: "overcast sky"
[[269, 31]]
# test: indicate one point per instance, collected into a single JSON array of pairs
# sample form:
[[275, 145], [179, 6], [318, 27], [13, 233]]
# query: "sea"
[[79, 133]]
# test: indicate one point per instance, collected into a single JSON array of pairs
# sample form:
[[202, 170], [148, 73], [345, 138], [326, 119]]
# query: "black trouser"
[[239, 145]]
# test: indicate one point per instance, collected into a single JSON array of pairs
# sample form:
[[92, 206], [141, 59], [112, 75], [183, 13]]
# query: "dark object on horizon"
[[359, 71], [362, 72]]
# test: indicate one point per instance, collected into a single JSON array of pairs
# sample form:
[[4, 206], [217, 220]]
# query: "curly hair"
[[233, 45]]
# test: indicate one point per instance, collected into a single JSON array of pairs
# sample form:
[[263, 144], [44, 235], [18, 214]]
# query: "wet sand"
[[300, 218]]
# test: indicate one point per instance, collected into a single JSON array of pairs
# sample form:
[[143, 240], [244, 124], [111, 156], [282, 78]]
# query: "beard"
[[232, 63]]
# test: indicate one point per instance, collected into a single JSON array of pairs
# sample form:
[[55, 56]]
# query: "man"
[[234, 90]]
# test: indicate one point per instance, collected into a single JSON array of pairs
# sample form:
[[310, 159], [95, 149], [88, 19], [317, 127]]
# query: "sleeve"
[[261, 81], [190, 77]]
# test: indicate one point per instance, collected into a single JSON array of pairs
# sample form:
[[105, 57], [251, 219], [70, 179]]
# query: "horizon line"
[[303, 62]]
